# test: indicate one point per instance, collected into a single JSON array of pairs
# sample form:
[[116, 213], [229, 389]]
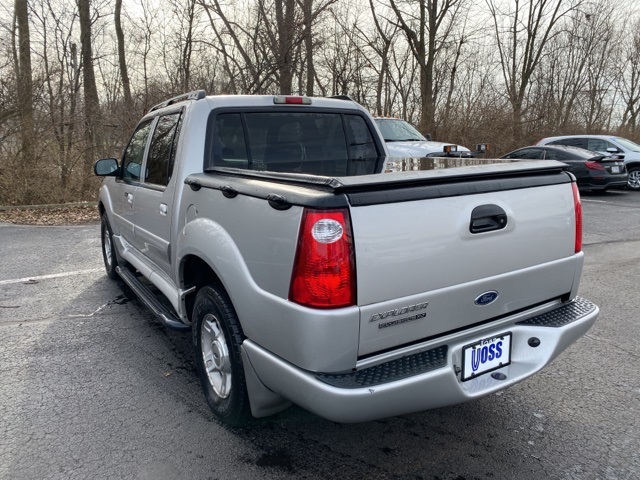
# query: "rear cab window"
[[311, 142]]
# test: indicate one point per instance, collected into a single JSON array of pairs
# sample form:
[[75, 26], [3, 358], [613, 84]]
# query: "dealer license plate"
[[486, 355], [615, 169]]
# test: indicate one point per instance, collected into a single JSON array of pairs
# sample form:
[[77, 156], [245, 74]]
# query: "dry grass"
[[75, 215]]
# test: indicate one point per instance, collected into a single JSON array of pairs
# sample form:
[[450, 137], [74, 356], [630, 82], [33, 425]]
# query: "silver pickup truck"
[[313, 269]]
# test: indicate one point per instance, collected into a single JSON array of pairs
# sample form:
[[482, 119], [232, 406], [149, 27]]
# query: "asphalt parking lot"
[[91, 386]]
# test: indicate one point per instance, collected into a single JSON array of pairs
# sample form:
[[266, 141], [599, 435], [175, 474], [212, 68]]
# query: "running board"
[[166, 316]]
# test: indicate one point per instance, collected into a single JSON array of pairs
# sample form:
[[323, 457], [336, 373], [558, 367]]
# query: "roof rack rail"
[[342, 97], [195, 95]]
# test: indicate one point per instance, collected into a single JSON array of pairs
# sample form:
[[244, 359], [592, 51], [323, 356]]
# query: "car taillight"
[[324, 266], [577, 207], [594, 166]]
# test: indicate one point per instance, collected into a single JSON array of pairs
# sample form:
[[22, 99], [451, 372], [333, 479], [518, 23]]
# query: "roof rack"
[[195, 95]]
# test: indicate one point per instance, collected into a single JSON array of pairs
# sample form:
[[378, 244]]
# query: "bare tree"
[[630, 83], [60, 95], [382, 46], [522, 31], [427, 31], [310, 16], [243, 55], [598, 99]]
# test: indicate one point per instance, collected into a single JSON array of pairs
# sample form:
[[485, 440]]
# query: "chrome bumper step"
[[386, 372], [564, 315]]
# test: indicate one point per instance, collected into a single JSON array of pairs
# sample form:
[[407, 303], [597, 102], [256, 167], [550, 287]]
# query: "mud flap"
[[263, 401]]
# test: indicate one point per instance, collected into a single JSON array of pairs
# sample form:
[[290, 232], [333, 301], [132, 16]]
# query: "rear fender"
[[313, 339], [632, 164]]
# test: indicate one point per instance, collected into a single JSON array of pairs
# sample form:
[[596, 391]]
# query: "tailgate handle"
[[486, 218]]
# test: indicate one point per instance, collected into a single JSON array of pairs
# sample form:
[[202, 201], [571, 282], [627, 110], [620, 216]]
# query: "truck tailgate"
[[421, 272]]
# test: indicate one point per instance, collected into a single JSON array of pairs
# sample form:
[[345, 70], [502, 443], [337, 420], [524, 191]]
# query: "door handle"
[[487, 218], [129, 197], [163, 209]]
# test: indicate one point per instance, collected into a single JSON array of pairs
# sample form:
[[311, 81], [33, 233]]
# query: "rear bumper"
[[604, 183], [426, 379]]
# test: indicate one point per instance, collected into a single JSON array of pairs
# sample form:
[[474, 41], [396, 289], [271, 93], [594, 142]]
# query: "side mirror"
[[482, 148], [450, 149], [106, 167], [613, 150]]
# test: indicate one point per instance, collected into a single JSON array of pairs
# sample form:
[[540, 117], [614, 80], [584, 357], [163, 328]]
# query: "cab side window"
[[162, 151], [134, 153]]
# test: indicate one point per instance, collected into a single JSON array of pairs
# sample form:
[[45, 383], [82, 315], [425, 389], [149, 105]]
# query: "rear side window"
[[550, 154], [319, 143], [162, 151], [134, 153], [361, 144], [527, 154], [599, 145], [571, 142], [228, 143]]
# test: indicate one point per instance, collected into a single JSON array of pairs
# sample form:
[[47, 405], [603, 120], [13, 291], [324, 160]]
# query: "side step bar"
[[166, 316]]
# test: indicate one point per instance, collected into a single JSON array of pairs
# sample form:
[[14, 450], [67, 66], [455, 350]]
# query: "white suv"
[[605, 144]]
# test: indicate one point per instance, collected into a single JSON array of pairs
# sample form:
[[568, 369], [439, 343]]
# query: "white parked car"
[[607, 145], [403, 140]]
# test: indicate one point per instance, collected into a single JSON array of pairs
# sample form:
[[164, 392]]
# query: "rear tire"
[[633, 182], [217, 337], [108, 249]]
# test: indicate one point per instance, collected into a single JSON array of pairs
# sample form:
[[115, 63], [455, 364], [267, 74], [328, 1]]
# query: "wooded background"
[[76, 75]]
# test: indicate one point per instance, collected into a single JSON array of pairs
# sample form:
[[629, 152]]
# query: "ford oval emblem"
[[486, 298]]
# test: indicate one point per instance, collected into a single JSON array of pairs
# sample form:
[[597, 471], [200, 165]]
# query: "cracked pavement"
[[92, 386]]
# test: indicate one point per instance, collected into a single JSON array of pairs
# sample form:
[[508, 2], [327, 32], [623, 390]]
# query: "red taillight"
[[577, 207], [594, 166], [324, 267]]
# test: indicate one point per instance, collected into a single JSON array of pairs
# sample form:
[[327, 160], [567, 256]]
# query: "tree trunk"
[[285, 22], [308, 45], [91, 102], [25, 95], [121, 57]]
